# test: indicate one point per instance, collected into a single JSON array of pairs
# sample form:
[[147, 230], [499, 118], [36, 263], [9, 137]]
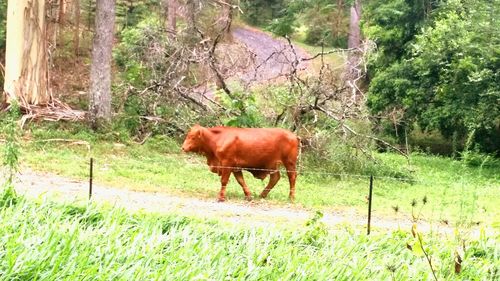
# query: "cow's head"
[[193, 141]]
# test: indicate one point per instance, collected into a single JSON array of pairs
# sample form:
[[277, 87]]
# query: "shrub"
[[3, 26], [245, 108], [475, 158]]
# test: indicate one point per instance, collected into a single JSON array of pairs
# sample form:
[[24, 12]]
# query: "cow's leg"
[[292, 176], [239, 177], [224, 179], [273, 179]]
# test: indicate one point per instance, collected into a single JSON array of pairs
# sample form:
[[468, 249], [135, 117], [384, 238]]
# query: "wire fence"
[[302, 171], [104, 165]]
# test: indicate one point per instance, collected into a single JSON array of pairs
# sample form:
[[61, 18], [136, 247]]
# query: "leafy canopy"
[[445, 76]]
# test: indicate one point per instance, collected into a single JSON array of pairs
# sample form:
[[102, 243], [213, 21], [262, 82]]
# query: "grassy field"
[[46, 241], [455, 193], [333, 60]]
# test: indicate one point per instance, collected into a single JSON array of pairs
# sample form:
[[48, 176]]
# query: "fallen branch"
[[328, 53], [54, 111], [71, 142], [143, 141], [358, 134]]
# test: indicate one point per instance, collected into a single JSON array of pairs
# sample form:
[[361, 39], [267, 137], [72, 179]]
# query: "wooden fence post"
[[370, 205], [91, 172]]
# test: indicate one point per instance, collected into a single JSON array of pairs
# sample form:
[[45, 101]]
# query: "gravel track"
[[272, 56], [256, 213]]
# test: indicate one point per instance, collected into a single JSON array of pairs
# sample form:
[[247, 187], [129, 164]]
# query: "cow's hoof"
[[248, 198], [263, 196], [221, 199]]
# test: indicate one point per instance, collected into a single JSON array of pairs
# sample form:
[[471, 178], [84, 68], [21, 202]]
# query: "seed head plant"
[[11, 153]]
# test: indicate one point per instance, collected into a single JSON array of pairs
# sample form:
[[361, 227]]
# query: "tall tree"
[[354, 40], [26, 74], [191, 11], [100, 71], [338, 20], [440, 72], [226, 18], [62, 11], [172, 6], [76, 40]]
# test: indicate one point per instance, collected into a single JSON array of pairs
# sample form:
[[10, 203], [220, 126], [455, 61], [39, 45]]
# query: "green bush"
[[243, 110], [283, 26], [440, 71], [261, 12], [319, 32], [3, 25], [474, 158]]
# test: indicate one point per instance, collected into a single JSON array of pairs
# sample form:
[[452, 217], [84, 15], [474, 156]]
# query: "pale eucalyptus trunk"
[[354, 68], [354, 40], [26, 67]]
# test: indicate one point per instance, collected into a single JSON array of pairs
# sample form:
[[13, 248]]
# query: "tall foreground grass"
[[45, 241]]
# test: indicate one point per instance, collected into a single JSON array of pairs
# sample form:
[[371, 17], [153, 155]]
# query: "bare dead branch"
[[361, 135]]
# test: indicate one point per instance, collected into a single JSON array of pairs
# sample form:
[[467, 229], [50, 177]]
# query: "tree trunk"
[[76, 39], [354, 70], [354, 40], [227, 19], [172, 6], [26, 72], [62, 11], [339, 15], [191, 6], [100, 71]]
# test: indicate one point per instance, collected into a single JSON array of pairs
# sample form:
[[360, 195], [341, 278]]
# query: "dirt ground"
[[273, 57], [255, 213]]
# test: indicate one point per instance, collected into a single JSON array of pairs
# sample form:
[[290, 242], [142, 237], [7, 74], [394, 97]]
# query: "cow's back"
[[255, 147]]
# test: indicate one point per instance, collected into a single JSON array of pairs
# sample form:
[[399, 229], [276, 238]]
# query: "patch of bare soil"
[[273, 57], [255, 213]]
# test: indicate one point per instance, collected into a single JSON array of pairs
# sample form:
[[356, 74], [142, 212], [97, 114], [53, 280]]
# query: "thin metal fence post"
[[370, 205], [91, 172]]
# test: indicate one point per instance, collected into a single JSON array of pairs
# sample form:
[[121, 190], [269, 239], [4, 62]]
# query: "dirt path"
[[266, 59], [256, 213], [273, 56]]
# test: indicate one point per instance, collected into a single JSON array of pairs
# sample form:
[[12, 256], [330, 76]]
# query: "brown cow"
[[257, 150]]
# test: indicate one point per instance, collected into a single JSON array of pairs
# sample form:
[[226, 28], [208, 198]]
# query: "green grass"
[[46, 241], [455, 193], [334, 60]]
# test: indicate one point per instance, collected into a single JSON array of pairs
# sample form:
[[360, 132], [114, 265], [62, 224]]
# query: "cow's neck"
[[210, 144]]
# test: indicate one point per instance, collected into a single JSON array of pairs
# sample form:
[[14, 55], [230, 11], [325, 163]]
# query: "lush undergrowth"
[[456, 193], [46, 241]]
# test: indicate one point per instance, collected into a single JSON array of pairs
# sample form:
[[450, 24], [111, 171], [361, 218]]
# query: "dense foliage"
[[438, 66], [261, 12], [316, 22], [3, 27]]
